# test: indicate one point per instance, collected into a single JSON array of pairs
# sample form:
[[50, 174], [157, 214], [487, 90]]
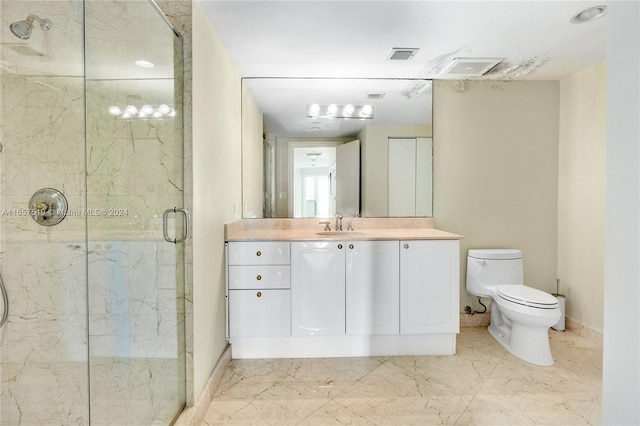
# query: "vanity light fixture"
[[589, 15], [145, 111], [362, 112]]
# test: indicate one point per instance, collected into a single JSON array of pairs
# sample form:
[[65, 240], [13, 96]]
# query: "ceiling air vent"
[[470, 67], [402, 53], [374, 95]]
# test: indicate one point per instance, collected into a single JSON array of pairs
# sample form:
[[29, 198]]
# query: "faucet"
[[338, 221]]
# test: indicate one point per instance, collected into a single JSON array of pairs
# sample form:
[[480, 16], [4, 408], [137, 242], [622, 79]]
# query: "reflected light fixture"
[[340, 111], [144, 64], [145, 112]]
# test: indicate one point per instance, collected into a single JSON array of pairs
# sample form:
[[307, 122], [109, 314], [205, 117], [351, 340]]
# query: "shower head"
[[22, 29]]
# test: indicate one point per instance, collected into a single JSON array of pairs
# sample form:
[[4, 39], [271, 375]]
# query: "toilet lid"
[[527, 296]]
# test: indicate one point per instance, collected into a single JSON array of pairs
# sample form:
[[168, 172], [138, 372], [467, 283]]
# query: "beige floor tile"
[[481, 385]]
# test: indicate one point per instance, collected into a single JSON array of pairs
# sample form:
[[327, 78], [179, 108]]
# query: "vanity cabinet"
[[259, 299], [331, 298], [372, 287], [429, 290], [317, 288]]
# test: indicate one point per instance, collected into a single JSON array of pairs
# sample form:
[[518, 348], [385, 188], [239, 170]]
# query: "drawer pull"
[[351, 246], [259, 294], [258, 253], [406, 246], [259, 277], [339, 246]]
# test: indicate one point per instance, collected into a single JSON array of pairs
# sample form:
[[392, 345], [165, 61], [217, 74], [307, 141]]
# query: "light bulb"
[[348, 110], [146, 109], [131, 110], [331, 110], [314, 110], [366, 110], [164, 108], [114, 110]]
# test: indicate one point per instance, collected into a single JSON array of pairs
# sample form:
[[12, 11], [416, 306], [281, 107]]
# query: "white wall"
[[252, 158], [216, 188], [496, 171], [581, 193], [621, 363]]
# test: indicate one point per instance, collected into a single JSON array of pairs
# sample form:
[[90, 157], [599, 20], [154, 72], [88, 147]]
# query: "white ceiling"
[[353, 39]]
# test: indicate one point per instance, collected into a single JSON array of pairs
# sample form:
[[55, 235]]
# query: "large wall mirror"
[[312, 147]]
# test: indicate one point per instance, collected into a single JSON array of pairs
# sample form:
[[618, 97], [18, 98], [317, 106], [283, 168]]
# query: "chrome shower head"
[[22, 29]]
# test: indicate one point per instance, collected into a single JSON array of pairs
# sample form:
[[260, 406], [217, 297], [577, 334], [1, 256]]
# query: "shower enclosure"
[[91, 115]]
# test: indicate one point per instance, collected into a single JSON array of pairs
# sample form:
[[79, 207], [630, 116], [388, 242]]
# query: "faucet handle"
[[327, 225], [350, 225]]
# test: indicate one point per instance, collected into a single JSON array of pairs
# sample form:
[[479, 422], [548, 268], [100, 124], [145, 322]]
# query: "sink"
[[337, 233]]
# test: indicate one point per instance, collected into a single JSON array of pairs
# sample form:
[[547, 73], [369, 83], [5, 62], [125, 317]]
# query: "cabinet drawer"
[[254, 313], [258, 277], [259, 253]]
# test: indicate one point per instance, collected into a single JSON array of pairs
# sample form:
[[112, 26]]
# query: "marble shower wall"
[[44, 343]]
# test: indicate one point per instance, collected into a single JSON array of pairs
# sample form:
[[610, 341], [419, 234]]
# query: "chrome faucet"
[[338, 221]]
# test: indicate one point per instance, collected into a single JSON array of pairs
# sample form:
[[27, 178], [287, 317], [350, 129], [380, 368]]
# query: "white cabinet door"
[[254, 313], [317, 288], [372, 281], [429, 286]]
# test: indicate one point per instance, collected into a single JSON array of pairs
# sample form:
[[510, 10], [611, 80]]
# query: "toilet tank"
[[489, 268]]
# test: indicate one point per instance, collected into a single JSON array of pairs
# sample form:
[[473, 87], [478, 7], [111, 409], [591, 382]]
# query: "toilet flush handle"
[[481, 262]]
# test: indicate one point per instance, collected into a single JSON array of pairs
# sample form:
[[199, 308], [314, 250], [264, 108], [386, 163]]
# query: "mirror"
[[300, 157]]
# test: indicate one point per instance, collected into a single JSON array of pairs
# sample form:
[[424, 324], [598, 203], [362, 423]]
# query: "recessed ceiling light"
[[590, 14], [144, 64]]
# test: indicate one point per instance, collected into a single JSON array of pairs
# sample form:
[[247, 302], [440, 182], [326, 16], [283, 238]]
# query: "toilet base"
[[529, 343]]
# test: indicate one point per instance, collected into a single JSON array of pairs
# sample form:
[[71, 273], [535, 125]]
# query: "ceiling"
[[535, 40]]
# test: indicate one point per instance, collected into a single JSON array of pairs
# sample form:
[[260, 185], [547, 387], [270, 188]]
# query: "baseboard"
[[192, 416], [583, 330], [475, 320]]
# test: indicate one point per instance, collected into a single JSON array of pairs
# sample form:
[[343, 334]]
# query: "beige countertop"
[[312, 232]]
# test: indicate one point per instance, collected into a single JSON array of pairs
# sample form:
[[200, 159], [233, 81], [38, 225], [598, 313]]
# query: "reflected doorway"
[[313, 180]]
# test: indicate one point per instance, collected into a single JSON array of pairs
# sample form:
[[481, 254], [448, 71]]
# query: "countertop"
[[395, 231]]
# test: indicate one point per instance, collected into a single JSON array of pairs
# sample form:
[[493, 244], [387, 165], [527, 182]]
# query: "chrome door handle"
[[187, 225]]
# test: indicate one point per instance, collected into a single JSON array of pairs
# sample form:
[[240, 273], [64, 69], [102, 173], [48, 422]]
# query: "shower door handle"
[[187, 225]]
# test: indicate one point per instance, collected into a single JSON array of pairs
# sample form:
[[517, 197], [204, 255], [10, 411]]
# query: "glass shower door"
[[134, 174]]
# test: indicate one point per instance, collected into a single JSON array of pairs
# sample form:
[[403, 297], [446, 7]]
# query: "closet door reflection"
[[410, 179]]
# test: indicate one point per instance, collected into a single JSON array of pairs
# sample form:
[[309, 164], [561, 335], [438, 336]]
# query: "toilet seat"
[[527, 296]]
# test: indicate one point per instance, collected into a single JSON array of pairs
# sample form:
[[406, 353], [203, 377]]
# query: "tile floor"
[[483, 384]]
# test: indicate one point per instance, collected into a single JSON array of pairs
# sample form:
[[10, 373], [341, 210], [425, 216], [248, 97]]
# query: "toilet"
[[520, 315]]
